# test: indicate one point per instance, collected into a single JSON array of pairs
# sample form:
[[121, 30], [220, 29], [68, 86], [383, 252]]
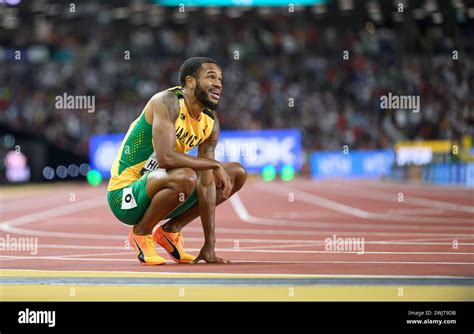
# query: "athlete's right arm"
[[164, 107]]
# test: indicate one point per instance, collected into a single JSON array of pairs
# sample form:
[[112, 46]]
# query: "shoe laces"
[[149, 241], [179, 239]]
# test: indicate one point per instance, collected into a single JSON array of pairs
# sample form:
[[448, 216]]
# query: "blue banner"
[[470, 174], [253, 149], [449, 173], [354, 164]]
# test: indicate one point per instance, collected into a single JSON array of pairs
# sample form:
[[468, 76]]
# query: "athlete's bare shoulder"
[[164, 100]]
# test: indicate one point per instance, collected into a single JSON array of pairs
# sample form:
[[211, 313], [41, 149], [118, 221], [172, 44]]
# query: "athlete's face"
[[209, 85]]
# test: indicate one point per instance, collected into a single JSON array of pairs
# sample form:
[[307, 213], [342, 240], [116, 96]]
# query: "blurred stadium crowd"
[[280, 71]]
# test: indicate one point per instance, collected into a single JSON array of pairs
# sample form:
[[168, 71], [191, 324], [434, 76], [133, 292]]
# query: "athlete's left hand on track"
[[209, 256]]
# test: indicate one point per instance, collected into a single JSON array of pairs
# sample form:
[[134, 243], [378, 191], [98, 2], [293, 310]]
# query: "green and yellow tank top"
[[136, 154]]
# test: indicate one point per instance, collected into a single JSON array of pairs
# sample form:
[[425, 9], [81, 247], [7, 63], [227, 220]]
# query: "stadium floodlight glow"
[[10, 2], [268, 173], [73, 170], [287, 173], [61, 171], [84, 169], [94, 177], [48, 173]]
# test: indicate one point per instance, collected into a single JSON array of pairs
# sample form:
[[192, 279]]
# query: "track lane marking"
[[247, 261]]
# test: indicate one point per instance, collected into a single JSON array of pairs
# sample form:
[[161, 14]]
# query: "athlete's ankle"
[[170, 228], [138, 231]]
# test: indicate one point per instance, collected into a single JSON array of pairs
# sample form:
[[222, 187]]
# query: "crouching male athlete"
[[152, 178]]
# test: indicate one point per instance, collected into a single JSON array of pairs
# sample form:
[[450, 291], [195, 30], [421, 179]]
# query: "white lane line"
[[367, 192], [207, 274], [246, 261], [356, 262], [97, 202], [47, 196], [430, 241], [457, 191], [415, 211], [261, 221], [244, 215], [339, 252], [65, 235], [4, 258], [242, 250], [286, 244], [38, 233], [394, 243], [442, 194], [19, 202], [313, 199], [68, 246], [12, 224], [224, 230], [305, 214], [7, 207], [92, 203], [316, 200], [271, 247], [64, 221], [123, 238], [39, 202], [130, 252]]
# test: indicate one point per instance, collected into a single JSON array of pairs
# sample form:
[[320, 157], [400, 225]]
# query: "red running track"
[[269, 228]]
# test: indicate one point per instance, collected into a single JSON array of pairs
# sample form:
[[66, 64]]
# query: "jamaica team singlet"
[[136, 154]]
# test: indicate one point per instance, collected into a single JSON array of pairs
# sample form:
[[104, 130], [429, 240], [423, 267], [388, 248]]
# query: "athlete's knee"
[[239, 174], [185, 180], [154, 182]]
